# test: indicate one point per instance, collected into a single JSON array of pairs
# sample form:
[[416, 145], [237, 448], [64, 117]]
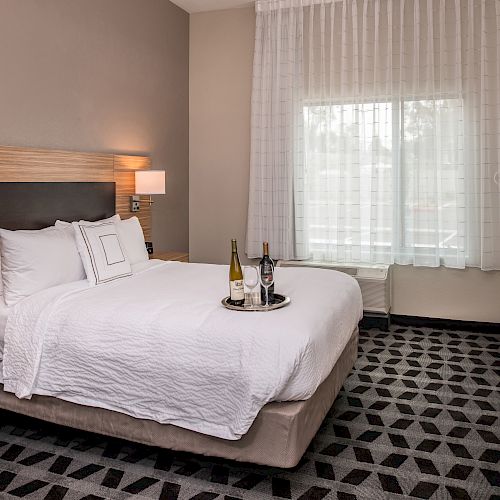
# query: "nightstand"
[[178, 256]]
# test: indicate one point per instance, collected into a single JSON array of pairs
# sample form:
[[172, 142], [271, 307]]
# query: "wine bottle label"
[[237, 290]]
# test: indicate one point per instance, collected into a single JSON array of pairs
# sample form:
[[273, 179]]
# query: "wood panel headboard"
[[47, 165]]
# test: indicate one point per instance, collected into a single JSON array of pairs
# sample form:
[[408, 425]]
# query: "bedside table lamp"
[[147, 182]]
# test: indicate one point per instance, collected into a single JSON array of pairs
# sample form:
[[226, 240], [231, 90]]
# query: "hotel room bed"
[[247, 386], [278, 437], [110, 359]]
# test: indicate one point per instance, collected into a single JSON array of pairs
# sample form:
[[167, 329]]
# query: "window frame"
[[398, 168]]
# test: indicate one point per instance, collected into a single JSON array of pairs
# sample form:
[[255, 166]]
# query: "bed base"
[[278, 437]]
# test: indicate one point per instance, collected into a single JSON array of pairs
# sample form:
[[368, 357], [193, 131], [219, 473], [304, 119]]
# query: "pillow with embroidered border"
[[101, 250], [131, 237]]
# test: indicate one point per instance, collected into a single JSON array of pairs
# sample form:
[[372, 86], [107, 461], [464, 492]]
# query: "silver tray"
[[279, 302]]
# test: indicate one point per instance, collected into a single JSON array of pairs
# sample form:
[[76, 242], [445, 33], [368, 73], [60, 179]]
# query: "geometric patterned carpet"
[[417, 418]]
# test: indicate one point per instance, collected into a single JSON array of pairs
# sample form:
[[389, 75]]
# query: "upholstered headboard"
[[35, 205], [45, 166]]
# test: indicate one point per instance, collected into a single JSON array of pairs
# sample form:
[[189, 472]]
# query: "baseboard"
[[374, 320], [445, 324]]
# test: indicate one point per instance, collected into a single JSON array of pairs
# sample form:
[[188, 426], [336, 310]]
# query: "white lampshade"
[[150, 182]]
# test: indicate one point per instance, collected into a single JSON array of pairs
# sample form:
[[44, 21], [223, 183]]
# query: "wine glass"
[[267, 280], [251, 279]]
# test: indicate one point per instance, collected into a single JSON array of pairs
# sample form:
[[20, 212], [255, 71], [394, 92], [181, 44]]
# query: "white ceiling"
[[204, 5]]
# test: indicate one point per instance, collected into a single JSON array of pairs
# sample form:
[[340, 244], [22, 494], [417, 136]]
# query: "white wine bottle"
[[236, 288]]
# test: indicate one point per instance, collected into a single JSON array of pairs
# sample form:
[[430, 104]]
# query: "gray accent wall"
[[102, 76]]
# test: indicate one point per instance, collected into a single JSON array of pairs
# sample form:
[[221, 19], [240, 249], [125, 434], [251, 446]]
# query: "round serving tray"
[[279, 302]]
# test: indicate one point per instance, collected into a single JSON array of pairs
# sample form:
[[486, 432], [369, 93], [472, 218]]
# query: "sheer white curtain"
[[375, 131], [277, 132]]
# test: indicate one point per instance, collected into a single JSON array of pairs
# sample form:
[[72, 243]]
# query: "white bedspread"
[[159, 345], [4, 313]]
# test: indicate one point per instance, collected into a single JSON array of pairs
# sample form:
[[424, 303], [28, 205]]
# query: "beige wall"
[[469, 294], [221, 55], [102, 75]]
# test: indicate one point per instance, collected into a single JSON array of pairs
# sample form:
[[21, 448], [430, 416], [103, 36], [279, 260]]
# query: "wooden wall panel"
[[47, 165], [124, 168], [44, 165], [124, 162]]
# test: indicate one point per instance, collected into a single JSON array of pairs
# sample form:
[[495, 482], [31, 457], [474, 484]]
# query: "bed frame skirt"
[[278, 437]]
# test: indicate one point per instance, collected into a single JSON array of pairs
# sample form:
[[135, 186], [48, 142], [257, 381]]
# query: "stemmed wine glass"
[[251, 279], [267, 280]]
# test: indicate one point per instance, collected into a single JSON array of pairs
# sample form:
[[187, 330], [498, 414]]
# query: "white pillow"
[[101, 251], [132, 239], [130, 234], [35, 260], [1, 280], [62, 223], [69, 226]]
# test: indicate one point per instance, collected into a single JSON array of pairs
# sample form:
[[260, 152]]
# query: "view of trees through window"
[[384, 174]]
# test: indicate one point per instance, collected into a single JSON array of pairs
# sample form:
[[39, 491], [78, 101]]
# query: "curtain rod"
[[268, 5]]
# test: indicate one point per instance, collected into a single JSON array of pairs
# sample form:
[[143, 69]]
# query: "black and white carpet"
[[418, 418]]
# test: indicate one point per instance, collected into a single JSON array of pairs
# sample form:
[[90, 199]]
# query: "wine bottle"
[[236, 289], [266, 266]]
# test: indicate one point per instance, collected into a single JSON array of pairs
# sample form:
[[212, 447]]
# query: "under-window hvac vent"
[[374, 281]]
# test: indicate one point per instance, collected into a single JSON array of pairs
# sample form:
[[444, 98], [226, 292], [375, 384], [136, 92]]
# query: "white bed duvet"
[[4, 314], [158, 345]]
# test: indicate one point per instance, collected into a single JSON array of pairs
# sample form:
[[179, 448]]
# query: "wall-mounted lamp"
[[147, 182]]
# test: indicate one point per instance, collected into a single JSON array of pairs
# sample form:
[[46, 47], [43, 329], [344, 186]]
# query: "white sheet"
[[4, 313], [159, 345]]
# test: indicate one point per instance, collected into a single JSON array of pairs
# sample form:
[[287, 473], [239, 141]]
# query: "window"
[[375, 132], [383, 180]]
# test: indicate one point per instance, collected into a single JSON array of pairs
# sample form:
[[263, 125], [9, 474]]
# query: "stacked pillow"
[[35, 260], [100, 248], [132, 238], [100, 251]]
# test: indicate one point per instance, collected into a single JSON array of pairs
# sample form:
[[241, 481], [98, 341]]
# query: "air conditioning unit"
[[374, 281]]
